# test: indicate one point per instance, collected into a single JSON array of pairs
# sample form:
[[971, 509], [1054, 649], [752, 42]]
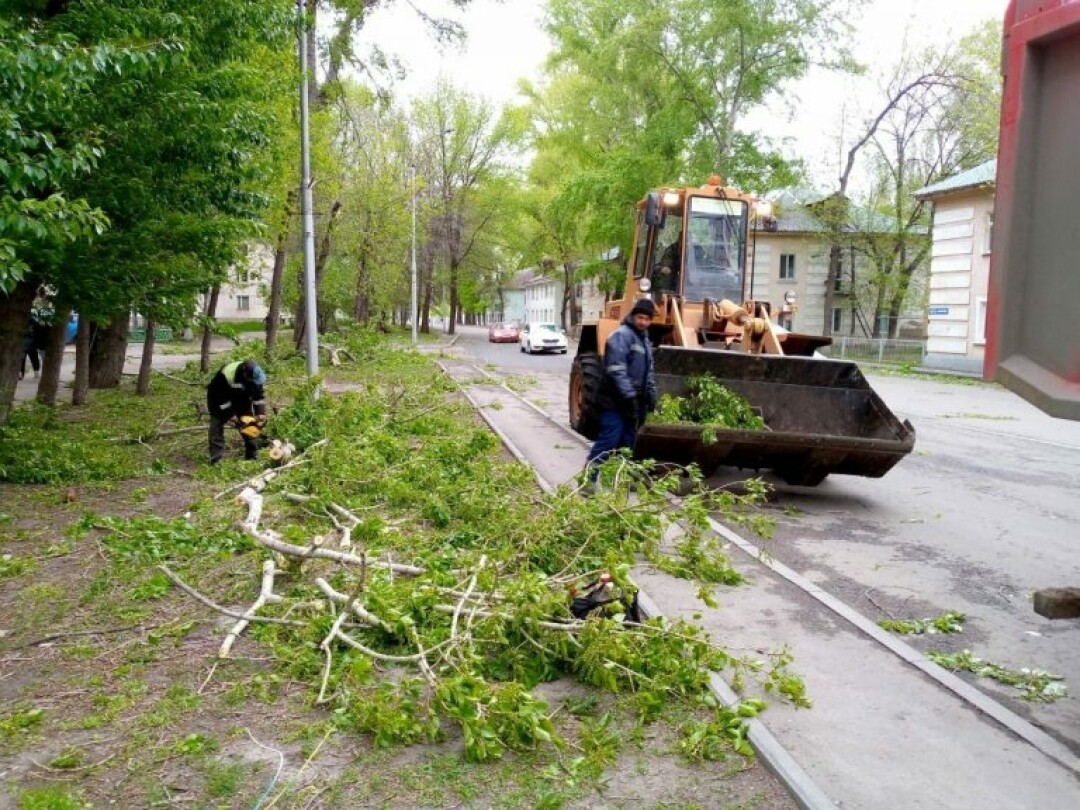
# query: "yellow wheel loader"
[[689, 257]]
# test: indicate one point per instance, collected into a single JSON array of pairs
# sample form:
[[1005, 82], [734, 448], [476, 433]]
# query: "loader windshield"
[[716, 238]]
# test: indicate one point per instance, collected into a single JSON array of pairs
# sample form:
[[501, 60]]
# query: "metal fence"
[[876, 350]]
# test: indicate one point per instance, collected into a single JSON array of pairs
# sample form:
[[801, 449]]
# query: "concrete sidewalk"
[[166, 356], [883, 733]]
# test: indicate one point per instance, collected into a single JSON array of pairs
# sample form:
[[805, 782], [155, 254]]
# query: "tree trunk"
[[362, 301], [300, 313], [107, 348], [277, 278], [49, 386], [452, 327], [14, 319], [428, 297], [569, 302], [142, 386], [80, 389], [209, 313], [879, 305], [324, 312]]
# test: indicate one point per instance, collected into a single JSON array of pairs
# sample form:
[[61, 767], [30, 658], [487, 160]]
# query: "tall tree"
[[179, 164], [45, 78], [934, 123], [467, 143], [641, 93]]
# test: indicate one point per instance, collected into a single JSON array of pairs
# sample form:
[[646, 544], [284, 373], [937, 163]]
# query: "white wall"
[[959, 277], [247, 281]]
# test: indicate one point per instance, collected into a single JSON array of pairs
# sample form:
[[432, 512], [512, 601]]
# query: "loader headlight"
[[644, 285]]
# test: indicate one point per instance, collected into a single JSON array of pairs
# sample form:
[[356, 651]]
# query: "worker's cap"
[[254, 372], [644, 306]]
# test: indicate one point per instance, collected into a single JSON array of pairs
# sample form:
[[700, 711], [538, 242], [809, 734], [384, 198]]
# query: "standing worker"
[[236, 392], [628, 390]]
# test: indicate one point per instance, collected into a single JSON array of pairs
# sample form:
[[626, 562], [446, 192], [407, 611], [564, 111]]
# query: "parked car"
[[503, 333], [543, 337]]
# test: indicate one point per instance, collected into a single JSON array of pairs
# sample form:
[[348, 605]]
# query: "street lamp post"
[[311, 324], [762, 208], [413, 312]]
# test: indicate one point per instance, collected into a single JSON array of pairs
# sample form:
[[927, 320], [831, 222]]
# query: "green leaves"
[[710, 403], [950, 622], [1035, 685]]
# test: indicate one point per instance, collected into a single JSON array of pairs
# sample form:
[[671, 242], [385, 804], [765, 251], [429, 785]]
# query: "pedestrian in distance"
[[42, 326], [34, 344], [628, 389], [237, 392]]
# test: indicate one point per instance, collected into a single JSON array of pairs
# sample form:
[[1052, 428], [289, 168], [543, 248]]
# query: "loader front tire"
[[586, 376]]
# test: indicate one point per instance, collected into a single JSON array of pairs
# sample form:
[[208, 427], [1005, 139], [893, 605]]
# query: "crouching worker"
[[236, 392], [628, 390]]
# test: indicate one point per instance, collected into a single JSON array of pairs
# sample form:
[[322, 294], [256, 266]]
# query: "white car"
[[542, 337]]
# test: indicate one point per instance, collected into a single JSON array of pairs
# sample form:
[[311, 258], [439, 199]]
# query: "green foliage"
[[1035, 685], [709, 403], [20, 720], [724, 731], [12, 566], [223, 779], [948, 622], [195, 744], [182, 137], [36, 447], [152, 539], [494, 718], [52, 798], [392, 713], [70, 757], [43, 77]]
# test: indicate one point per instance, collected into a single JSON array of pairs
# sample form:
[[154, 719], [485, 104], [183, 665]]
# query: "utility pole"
[[413, 312], [307, 216]]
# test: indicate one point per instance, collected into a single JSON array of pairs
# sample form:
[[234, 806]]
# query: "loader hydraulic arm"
[[753, 333]]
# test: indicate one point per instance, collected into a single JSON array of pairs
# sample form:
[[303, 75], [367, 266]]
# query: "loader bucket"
[[823, 417]]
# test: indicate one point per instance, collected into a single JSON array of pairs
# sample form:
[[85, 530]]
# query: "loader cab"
[[692, 247], [716, 249]]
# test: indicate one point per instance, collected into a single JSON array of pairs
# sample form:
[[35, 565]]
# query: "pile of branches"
[[420, 583]]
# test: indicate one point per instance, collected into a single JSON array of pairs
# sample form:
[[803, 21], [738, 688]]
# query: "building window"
[[980, 321], [837, 319], [243, 302], [988, 232], [787, 266], [243, 275]]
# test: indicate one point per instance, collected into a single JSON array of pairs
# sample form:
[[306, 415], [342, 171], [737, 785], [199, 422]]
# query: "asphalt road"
[[983, 512]]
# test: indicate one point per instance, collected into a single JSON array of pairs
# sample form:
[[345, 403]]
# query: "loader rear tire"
[[586, 376]]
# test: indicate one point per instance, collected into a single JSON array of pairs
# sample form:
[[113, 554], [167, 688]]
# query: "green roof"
[[984, 174]]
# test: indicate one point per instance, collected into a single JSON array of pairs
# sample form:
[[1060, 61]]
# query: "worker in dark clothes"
[[628, 390], [237, 392]]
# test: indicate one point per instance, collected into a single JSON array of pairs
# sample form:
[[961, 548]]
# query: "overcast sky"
[[506, 42]]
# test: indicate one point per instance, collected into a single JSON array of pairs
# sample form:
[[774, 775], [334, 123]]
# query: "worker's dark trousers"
[[616, 431], [217, 441]]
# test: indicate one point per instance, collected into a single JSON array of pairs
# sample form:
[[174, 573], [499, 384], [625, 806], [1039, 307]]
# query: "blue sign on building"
[[939, 310]]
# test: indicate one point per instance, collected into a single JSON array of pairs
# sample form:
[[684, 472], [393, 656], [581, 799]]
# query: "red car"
[[503, 333]]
